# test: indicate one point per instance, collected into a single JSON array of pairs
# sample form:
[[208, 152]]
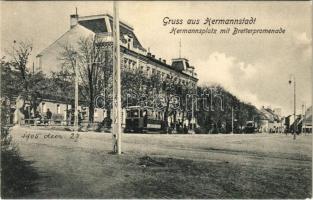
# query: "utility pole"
[[232, 119], [179, 48], [193, 120], [117, 132], [192, 113], [304, 117], [76, 94], [294, 107], [292, 76]]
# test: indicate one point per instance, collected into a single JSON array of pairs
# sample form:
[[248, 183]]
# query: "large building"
[[134, 55]]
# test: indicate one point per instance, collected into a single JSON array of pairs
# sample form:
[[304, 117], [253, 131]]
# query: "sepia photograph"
[[156, 99]]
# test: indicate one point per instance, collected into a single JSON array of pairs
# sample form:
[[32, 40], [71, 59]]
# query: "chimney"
[[73, 20], [164, 60], [160, 59], [149, 54], [153, 56]]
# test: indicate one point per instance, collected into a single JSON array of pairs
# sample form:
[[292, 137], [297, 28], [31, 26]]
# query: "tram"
[[250, 127], [142, 119]]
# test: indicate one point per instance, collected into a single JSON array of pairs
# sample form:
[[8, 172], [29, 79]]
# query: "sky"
[[254, 68]]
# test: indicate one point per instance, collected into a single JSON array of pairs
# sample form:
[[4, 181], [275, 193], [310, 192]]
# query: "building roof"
[[308, 116], [268, 114], [95, 25], [275, 116], [308, 120], [98, 25], [130, 33], [178, 65]]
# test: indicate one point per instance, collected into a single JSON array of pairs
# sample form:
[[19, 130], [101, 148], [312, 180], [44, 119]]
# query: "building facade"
[[133, 55]]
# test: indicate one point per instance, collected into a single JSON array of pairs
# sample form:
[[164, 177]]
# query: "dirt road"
[[167, 166]]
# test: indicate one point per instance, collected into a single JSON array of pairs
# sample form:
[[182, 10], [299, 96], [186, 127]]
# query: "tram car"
[[250, 127], [142, 119]]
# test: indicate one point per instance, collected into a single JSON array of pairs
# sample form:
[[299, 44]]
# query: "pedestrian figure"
[[48, 116], [80, 117], [37, 118], [185, 129], [72, 116], [115, 144], [68, 117]]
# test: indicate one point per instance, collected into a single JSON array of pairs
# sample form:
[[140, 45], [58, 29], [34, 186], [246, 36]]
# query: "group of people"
[[179, 127], [46, 119], [70, 117]]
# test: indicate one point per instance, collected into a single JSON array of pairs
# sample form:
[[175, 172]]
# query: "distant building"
[[278, 111], [302, 123], [270, 121], [291, 121], [306, 123]]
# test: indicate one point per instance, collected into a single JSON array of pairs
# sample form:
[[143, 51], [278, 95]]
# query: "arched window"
[[43, 108], [58, 109]]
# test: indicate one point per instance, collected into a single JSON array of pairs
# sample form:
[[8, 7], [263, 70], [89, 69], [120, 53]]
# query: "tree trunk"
[[91, 106], [166, 114], [91, 112], [183, 117], [91, 97]]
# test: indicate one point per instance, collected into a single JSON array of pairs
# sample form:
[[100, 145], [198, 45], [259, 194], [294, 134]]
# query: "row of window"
[[132, 65]]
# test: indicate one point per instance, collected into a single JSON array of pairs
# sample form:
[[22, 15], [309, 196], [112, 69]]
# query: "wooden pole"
[[294, 107], [76, 95], [117, 133], [304, 117], [179, 48], [232, 119]]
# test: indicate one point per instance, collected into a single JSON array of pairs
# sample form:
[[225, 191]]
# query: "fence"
[[63, 124]]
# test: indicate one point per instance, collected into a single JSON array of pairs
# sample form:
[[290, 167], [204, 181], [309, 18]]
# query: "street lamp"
[[292, 79]]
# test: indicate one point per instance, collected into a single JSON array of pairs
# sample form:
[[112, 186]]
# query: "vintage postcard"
[[156, 99]]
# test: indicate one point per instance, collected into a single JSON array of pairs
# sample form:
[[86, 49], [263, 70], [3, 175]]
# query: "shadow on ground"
[[182, 178], [18, 178]]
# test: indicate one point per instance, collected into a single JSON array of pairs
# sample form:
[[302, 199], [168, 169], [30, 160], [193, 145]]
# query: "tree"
[[94, 60], [62, 87], [134, 87], [172, 96], [215, 114], [17, 77], [11, 82], [20, 54]]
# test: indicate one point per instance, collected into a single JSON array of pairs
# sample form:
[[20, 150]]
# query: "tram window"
[[149, 113], [132, 113]]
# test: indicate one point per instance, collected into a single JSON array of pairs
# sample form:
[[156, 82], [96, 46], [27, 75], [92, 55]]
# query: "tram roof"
[[139, 107]]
